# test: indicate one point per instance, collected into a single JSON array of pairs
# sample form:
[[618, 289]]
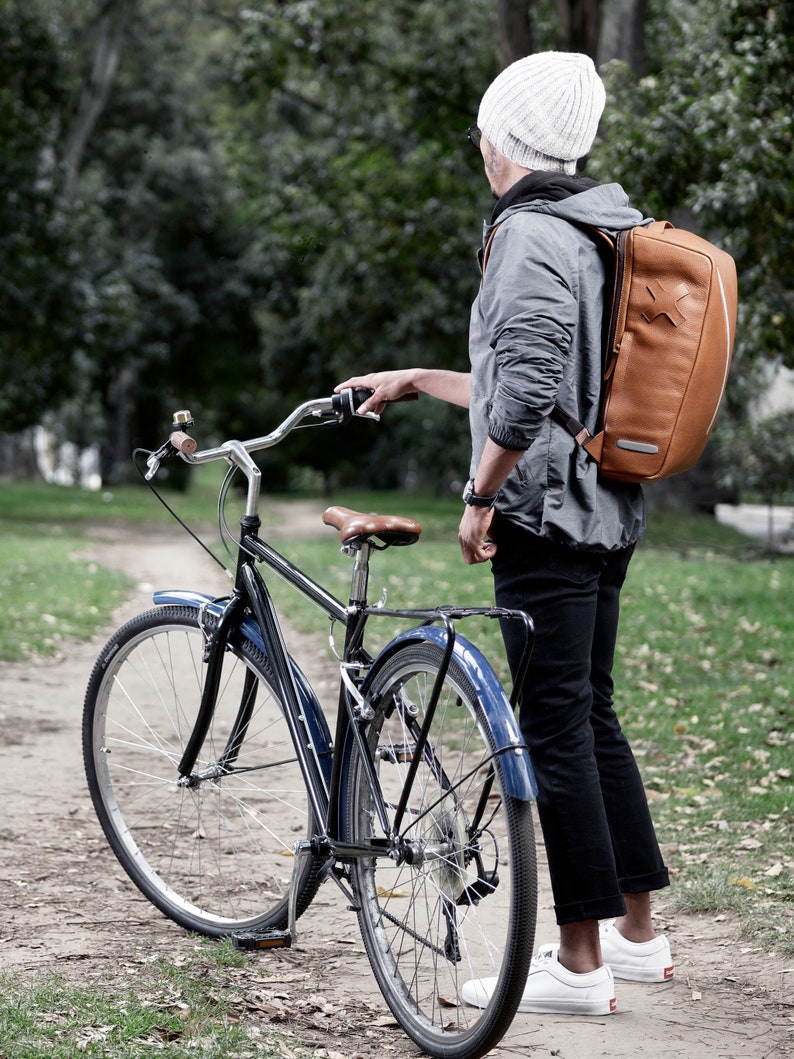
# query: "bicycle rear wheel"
[[463, 903], [215, 857]]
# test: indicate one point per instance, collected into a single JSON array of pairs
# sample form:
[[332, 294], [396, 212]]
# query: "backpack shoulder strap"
[[484, 252], [606, 249]]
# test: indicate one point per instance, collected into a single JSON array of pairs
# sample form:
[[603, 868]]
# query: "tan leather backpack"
[[667, 353]]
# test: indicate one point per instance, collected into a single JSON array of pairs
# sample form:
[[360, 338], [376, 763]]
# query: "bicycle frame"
[[300, 705], [209, 759], [301, 708]]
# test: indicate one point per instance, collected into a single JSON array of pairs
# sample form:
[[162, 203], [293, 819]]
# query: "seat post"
[[360, 579]]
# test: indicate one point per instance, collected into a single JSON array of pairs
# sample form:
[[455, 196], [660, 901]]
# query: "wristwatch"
[[473, 500]]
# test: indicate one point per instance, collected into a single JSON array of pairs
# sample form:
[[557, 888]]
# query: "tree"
[[622, 34], [241, 204], [689, 137], [602, 29], [39, 298], [515, 36], [108, 37], [145, 246], [366, 215], [580, 24]]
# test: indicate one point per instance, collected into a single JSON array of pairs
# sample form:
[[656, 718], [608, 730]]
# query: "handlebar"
[[337, 409]]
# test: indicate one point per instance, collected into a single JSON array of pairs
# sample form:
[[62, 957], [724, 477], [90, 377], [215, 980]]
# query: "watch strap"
[[474, 499]]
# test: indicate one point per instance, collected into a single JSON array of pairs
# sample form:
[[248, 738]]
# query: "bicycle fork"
[[214, 653]]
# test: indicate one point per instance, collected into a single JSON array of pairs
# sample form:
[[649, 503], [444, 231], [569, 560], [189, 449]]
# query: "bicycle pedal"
[[253, 940]]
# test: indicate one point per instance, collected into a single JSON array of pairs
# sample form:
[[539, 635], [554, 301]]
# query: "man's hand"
[[386, 386], [472, 534]]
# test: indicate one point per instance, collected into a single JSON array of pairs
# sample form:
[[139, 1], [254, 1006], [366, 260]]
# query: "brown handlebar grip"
[[183, 442]]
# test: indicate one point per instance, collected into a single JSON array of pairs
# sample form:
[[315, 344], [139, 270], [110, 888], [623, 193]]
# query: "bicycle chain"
[[412, 933]]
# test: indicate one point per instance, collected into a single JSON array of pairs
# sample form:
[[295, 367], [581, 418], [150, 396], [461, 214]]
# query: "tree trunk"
[[579, 20], [95, 93], [115, 464], [18, 457], [623, 34], [514, 37]]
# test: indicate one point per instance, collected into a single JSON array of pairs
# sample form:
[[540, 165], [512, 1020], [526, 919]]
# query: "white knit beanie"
[[542, 112]]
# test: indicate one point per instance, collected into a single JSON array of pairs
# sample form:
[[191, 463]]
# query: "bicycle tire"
[[214, 857], [423, 933]]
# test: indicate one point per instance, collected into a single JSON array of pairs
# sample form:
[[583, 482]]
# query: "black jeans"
[[593, 811]]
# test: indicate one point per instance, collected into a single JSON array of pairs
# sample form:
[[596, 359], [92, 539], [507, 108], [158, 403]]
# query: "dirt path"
[[69, 908]]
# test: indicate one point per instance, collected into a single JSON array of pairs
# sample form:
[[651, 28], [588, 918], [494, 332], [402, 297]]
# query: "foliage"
[[363, 193], [37, 287], [277, 195], [170, 312], [246, 231], [134, 288]]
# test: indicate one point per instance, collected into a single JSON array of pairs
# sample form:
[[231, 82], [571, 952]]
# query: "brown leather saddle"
[[356, 527]]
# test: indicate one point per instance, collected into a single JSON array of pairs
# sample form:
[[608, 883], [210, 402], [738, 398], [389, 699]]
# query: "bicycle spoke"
[[215, 853], [460, 905]]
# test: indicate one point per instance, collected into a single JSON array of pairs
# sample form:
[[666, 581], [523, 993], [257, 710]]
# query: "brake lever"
[[179, 441], [154, 460]]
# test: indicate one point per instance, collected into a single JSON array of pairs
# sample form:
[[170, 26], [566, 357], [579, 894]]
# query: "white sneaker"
[[552, 989], [636, 961]]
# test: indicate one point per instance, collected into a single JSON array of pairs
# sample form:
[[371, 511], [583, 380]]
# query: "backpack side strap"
[[576, 429]]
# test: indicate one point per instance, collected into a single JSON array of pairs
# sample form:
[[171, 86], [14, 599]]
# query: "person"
[[559, 537]]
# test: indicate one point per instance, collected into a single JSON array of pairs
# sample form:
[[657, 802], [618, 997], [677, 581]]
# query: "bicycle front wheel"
[[216, 855], [462, 904]]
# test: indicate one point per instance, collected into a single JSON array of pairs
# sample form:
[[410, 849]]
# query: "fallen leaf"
[[266, 1009], [748, 884], [385, 1020]]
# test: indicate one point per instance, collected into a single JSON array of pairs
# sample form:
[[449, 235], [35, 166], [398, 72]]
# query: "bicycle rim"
[[466, 907], [215, 857]]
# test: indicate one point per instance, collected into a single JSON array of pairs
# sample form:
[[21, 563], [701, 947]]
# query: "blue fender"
[[499, 716], [312, 711]]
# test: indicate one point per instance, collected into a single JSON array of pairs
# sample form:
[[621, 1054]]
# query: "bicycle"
[[208, 754]]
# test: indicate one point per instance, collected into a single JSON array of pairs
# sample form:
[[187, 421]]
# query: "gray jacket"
[[535, 338]]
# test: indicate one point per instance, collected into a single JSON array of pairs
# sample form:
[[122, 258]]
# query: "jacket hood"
[[573, 199]]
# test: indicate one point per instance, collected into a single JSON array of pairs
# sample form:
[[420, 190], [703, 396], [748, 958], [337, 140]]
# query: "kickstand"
[[339, 874]]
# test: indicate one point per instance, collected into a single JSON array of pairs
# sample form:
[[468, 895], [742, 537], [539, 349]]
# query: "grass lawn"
[[705, 672], [705, 667], [704, 677], [194, 1008], [50, 587]]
